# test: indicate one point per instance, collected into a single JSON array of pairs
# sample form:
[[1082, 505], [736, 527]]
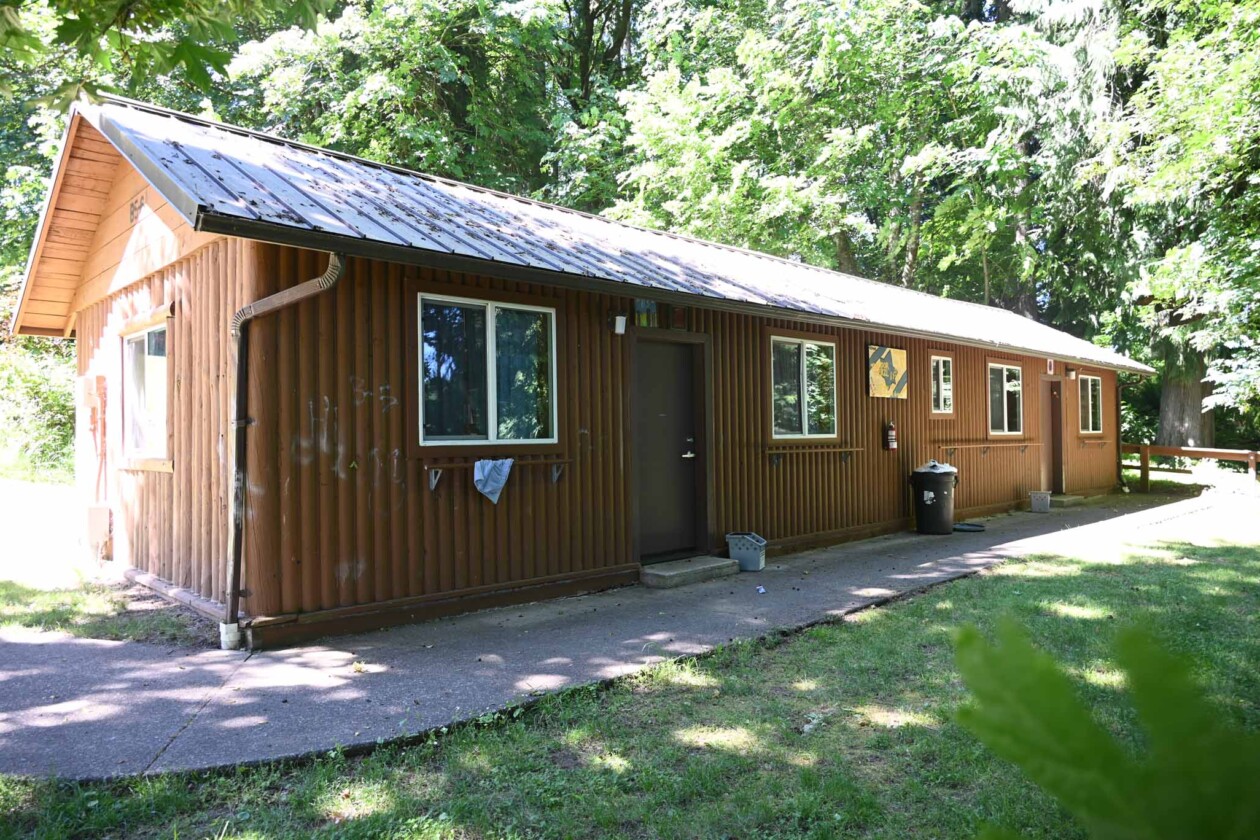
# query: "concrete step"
[[1066, 501], [690, 570]]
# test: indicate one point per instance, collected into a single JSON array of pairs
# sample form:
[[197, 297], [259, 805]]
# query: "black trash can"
[[934, 485]]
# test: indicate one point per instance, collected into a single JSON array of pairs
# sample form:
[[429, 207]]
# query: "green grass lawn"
[[844, 730], [97, 611]]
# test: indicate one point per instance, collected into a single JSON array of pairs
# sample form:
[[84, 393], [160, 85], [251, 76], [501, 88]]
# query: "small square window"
[[803, 384], [487, 372], [942, 385], [1091, 404], [144, 394]]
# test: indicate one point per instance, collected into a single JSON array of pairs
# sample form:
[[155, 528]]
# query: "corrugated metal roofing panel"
[[228, 172]]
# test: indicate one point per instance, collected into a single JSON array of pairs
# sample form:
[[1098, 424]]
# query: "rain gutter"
[[230, 628]]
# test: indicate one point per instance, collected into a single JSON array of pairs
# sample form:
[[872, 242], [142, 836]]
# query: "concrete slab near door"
[[682, 572]]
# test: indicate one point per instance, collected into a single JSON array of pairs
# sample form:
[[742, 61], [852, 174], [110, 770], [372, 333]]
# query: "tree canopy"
[[1093, 164]]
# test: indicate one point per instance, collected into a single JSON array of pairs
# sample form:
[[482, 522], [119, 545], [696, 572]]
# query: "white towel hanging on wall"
[[489, 476]]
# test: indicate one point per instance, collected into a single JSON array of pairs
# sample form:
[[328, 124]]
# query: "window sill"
[[148, 465], [479, 450]]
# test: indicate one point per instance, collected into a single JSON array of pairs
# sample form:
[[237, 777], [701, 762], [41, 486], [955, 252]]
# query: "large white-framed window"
[[1091, 404], [803, 387], [144, 393], [942, 385], [487, 372], [1006, 399]]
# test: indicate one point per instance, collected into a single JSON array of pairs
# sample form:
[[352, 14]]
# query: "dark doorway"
[[668, 458], [1052, 435]]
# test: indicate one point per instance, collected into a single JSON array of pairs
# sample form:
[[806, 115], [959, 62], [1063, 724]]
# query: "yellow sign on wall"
[[886, 371]]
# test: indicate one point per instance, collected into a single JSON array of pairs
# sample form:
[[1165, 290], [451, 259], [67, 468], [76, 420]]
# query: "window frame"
[[492, 383], [801, 341], [937, 356], [1081, 393], [1005, 414], [143, 459]]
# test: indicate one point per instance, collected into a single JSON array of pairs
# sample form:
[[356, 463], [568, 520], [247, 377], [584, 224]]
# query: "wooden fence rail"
[[1145, 451]]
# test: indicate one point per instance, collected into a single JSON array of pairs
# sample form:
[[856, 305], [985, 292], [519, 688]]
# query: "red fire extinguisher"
[[890, 436]]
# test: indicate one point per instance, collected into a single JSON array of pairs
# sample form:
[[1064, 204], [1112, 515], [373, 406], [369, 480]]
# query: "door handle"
[[689, 455]]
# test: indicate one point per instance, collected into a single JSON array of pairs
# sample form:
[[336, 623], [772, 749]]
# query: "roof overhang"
[[368, 249]]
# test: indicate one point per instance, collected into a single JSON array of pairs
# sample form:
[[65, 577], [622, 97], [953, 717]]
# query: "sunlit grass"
[[97, 611], [1081, 611], [845, 730], [892, 718]]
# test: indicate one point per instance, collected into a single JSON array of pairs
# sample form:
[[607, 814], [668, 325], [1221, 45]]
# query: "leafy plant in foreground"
[[1198, 776]]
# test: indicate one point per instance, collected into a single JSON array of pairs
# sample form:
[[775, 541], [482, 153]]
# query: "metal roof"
[[245, 183]]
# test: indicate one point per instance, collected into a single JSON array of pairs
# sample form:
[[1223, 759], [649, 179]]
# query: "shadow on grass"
[[844, 729], [96, 611]]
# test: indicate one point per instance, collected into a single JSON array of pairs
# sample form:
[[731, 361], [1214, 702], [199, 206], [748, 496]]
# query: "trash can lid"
[[935, 466]]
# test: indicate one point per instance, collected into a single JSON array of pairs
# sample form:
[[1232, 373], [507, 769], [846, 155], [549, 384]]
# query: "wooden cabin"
[[655, 392]]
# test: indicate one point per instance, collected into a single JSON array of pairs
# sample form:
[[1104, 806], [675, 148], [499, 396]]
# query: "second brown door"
[[667, 459]]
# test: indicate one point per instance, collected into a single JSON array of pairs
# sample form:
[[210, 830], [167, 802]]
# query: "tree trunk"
[[1182, 421], [984, 262], [911, 264], [845, 261]]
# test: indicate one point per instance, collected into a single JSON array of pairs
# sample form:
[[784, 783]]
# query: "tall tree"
[[1185, 154]]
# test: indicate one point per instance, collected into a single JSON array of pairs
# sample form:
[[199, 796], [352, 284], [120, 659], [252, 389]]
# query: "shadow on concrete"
[[83, 708]]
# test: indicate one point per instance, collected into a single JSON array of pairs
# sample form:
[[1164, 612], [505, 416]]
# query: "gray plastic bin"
[[1040, 501], [748, 549]]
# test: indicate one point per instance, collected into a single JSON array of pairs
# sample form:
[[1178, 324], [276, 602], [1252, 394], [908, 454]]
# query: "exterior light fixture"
[[619, 324]]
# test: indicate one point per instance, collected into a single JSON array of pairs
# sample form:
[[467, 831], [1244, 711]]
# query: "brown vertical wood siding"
[[339, 508], [788, 490], [172, 523], [340, 512], [1090, 459]]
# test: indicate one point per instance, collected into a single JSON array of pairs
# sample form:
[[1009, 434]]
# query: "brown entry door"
[[667, 459], [1052, 435]]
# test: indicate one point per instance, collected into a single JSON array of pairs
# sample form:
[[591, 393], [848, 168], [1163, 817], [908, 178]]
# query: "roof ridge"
[[274, 138]]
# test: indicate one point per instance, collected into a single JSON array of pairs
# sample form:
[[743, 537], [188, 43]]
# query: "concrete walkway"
[[84, 709]]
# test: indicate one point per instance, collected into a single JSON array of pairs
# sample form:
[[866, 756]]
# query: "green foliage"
[[1060, 159], [37, 413], [141, 39], [1197, 776], [449, 87], [889, 138], [36, 400], [1184, 155]]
